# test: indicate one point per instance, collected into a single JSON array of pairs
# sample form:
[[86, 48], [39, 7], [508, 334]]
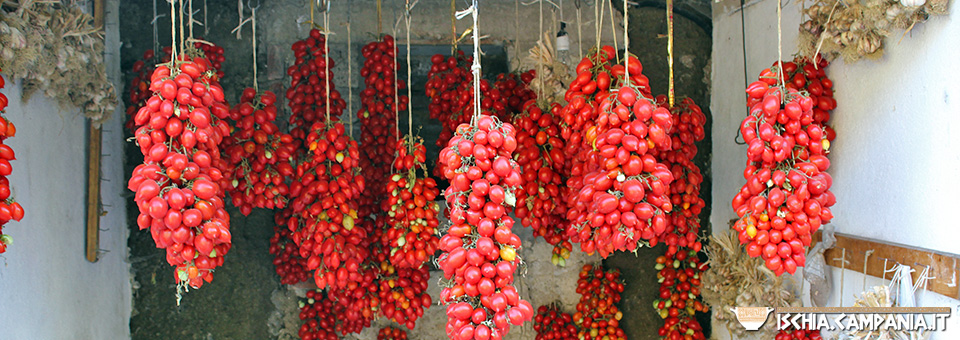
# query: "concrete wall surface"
[[895, 157], [48, 290]]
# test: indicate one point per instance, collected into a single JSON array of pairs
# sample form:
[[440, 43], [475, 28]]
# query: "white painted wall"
[[48, 290], [895, 160]]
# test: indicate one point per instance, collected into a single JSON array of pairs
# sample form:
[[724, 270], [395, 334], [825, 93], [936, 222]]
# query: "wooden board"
[[94, 148], [943, 266]]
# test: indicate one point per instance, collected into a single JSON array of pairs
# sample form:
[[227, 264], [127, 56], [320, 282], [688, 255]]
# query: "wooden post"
[[94, 148]]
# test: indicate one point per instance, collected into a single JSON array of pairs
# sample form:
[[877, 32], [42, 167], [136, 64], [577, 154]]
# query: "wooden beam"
[[94, 148], [943, 266]]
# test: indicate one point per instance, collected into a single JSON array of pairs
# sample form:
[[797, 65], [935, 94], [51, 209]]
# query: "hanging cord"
[[190, 22], [326, 56], [379, 20], [253, 23], [783, 97], [613, 31], [672, 93], [396, 86], [597, 16], [453, 25], [409, 79], [156, 33], [476, 59], [626, 42], [540, 60], [579, 31], [244, 21], [173, 32], [516, 41], [350, 75], [182, 45], [743, 37], [206, 28]]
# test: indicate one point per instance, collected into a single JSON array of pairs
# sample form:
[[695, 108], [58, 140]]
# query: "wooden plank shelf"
[[943, 266]]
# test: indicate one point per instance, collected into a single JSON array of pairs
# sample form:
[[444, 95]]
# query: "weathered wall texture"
[[895, 156], [48, 290]]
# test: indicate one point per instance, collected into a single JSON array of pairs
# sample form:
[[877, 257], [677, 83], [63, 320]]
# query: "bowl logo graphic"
[[752, 318]]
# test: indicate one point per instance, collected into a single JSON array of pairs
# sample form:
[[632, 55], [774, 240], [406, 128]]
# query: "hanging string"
[[350, 75], [516, 41], [173, 32], [473, 10], [453, 25], [253, 22], [206, 28], [156, 34], [671, 93], [579, 32], [190, 23], [780, 56], [626, 42], [379, 20], [409, 79], [540, 60], [182, 46], [743, 37], [396, 86], [598, 18], [613, 31], [326, 56]]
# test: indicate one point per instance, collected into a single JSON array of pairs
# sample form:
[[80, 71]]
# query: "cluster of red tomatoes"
[[391, 333], [139, 92], [798, 334], [9, 210], [378, 129], [540, 203], [449, 97], [688, 122], [624, 200], [553, 324], [289, 265], [509, 93], [411, 210], [480, 250], [805, 74], [403, 293], [258, 154], [679, 277], [597, 315], [786, 197], [309, 77], [319, 316], [179, 131]]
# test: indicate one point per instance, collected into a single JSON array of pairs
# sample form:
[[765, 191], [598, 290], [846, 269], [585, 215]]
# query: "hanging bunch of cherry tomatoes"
[[9, 209], [553, 324], [309, 76], [597, 315], [624, 200], [679, 299], [179, 131], [391, 333], [688, 121], [480, 250], [540, 155], [403, 293], [289, 265], [411, 211], [324, 203], [510, 92], [258, 154], [357, 299], [806, 75], [319, 317], [139, 92], [378, 129], [786, 197], [448, 99]]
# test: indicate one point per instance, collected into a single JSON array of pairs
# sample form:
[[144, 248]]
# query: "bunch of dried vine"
[[54, 47]]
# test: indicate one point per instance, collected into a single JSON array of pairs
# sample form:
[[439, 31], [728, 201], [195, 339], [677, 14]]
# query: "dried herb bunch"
[[854, 29], [54, 47]]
